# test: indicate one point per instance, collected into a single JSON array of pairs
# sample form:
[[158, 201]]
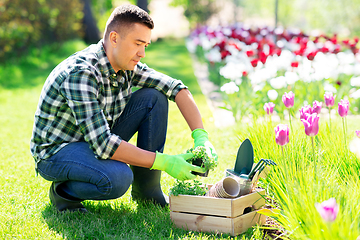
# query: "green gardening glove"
[[201, 138], [176, 165]]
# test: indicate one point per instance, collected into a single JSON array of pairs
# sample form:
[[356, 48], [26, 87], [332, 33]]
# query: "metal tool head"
[[245, 158]]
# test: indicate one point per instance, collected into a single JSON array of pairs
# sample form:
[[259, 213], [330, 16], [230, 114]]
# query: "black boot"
[[146, 186], [64, 203]]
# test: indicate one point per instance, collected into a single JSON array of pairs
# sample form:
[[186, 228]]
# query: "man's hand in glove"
[[201, 138], [176, 165]]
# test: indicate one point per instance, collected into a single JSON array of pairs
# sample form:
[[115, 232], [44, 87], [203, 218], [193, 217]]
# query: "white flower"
[[329, 88], [214, 55], [229, 88], [272, 94], [278, 82], [355, 81], [355, 146], [291, 77], [355, 94], [191, 45], [232, 70]]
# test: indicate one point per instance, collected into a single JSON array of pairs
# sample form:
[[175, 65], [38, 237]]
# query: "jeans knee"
[[120, 183], [155, 97]]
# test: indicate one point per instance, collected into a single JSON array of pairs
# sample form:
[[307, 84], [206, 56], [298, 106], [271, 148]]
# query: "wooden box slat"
[[224, 207], [204, 223]]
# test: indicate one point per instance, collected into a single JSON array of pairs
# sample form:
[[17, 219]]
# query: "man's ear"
[[113, 37]]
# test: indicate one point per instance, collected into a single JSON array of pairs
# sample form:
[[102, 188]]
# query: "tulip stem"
[[312, 142], [344, 130], [290, 119], [329, 120], [282, 150]]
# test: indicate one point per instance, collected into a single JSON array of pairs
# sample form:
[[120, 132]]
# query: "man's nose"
[[141, 52]]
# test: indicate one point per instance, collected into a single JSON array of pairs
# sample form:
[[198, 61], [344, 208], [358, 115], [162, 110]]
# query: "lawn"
[[25, 211]]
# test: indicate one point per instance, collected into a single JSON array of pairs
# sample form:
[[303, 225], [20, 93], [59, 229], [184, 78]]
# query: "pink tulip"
[[269, 107], [305, 110], [343, 108], [288, 99], [357, 132], [282, 134], [317, 107], [328, 209], [311, 124], [329, 99]]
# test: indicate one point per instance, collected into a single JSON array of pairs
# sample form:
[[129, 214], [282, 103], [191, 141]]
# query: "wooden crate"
[[209, 214]]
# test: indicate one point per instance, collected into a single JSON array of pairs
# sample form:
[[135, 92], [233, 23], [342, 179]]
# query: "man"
[[87, 113]]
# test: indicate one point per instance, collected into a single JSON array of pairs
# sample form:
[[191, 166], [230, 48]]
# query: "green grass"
[[25, 212]]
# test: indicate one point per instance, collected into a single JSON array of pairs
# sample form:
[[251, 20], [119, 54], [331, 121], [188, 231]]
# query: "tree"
[[197, 11], [91, 31], [143, 4]]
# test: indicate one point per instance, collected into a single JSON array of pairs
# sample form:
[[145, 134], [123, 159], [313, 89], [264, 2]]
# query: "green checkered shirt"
[[83, 97]]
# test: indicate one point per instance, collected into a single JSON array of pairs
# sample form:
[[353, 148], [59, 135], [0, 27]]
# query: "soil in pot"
[[198, 162]]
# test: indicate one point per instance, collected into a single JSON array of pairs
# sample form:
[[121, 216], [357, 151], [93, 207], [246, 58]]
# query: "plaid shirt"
[[83, 97]]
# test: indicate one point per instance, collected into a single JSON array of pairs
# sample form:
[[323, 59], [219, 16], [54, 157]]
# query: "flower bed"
[[255, 66]]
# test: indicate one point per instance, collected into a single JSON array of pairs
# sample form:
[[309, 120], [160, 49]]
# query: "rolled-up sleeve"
[[143, 76], [81, 91]]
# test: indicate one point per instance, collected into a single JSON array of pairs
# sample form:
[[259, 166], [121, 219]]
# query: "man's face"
[[130, 47]]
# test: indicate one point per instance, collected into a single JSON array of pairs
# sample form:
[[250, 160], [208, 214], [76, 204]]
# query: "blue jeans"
[[85, 177]]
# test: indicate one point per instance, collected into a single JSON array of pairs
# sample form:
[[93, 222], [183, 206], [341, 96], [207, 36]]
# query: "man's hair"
[[124, 16]]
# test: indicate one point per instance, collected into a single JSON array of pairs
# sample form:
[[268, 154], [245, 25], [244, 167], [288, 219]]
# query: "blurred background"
[[28, 24]]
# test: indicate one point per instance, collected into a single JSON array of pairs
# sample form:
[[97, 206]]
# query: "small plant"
[[201, 158], [188, 188]]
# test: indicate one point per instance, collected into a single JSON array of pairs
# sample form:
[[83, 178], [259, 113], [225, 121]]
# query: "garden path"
[[222, 117]]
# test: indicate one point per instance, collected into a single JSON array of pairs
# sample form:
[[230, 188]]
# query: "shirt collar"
[[106, 69]]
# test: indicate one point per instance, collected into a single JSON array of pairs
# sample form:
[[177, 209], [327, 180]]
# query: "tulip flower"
[[329, 102], [295, 64], [329, 99], [343, 108], [328, 209], [269, 107], [305, 110], [254, 62], [282, 134], [357, 132], [311, 124], [316, 107], [288, 99]]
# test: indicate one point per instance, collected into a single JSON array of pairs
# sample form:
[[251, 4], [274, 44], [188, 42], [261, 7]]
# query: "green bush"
[[25, 23]]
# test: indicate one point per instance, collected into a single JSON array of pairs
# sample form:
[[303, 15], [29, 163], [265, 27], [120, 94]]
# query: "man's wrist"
[[199, 132]]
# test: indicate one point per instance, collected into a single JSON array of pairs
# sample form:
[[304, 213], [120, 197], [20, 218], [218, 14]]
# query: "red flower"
[[278, 51], [224, 54], [254, 62], [311, 55], [244, 73], [250, 53], [334, 39], [295, 64], [262, 57], [337, 49], [324, 49]]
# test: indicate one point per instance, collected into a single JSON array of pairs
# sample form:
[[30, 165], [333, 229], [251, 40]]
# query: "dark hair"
[[125, 16]]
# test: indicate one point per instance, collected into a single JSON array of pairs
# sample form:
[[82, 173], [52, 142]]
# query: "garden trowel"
[[244, 171], [244, 160]]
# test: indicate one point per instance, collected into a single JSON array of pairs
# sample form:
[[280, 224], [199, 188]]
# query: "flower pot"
[[199, 162]]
